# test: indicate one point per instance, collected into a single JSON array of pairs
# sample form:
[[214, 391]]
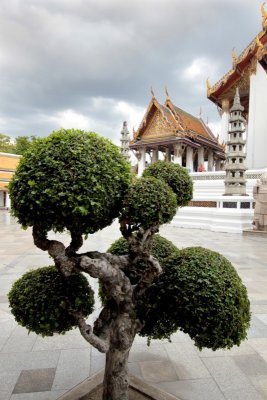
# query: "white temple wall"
[[257, 124]]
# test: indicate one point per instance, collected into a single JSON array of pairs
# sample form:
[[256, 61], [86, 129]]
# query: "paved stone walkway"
[[36, 368]]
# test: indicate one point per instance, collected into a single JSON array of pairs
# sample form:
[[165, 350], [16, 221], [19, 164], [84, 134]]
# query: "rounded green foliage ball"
[[40, 299], [200, 293], [175, 176], [161, 248], [70, 179], [149, 202]]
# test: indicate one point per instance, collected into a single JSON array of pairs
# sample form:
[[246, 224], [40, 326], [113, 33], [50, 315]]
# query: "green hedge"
[[149, 202], [70, 179], [175, 176], [39, 300], [201, 294]]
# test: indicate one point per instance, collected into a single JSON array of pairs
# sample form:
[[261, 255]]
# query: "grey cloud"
[[58, 55]]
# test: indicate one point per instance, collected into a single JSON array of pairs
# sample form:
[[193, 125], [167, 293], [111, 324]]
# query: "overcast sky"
[[89, 64]]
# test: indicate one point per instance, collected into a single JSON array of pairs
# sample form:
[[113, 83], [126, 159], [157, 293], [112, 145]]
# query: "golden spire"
[[167, 94], [234, 57], [263, 16], [208, 87], [152, 92]]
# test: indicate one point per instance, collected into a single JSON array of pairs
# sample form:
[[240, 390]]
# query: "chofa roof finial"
[[263, 16]]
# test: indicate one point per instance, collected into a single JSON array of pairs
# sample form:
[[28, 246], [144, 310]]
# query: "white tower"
[[235, 182], [125, 140]]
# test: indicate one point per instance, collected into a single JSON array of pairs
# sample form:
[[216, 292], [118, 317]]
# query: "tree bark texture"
[[114, 330]]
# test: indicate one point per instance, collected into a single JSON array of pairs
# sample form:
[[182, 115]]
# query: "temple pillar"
[[189, 159], [210, 160], [141, 160], [218, 164], [178, 152], [167, 154], [155, 155], [200, 156], [225, 120]]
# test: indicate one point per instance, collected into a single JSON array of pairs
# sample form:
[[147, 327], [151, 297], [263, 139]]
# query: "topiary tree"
[[80, 182]]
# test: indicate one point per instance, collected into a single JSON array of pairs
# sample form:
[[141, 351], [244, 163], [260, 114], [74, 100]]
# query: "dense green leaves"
[[40, 299], [201, 294], [175, 176], [149, 202], [71, 179]]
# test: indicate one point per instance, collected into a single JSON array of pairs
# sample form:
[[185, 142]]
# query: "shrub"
[[71, 179], [40, 299], [161, 249], [200, 293], [175, 176], [149, 202]]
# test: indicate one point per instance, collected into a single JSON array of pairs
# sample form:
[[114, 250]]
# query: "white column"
[[189, 159], [1, 198], [141, 161], [225, 120], [167, 154], [210, 160], [155, 155], [8, 202], [178, 152], [218, 165], [200, 156]]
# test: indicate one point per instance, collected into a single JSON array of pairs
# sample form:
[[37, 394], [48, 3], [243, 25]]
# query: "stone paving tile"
[[228, 376], [134, 369], [243, 394], [52, 395], [97, 361], [19, 344], [186, 361], [73, 367], [154, 352], [257, 328], [259, 345], [60, 342], [29, 360], [251, 365], [260, 383], [35, 380], [157, 371], [5, 395], [199, 389], [8, 380], [262, 317]]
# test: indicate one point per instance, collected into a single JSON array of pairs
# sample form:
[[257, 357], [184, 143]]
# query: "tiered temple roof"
[[166, 124], [242, 67]]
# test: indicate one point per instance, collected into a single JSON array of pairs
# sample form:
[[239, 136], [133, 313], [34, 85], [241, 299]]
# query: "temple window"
[[233, 160], [240, 147], [234, 147], [240, 160]]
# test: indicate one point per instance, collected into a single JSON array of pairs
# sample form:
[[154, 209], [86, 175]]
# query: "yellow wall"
[[8, 161], [8, 164]]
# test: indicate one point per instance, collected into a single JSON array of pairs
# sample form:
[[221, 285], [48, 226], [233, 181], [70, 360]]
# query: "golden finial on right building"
[[264, 16]]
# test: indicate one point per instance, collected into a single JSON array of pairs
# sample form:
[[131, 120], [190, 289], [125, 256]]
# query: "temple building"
[[8, 164], [179, 136], [249, 74]]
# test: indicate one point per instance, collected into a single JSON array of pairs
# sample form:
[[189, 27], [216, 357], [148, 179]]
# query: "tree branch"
[[151, 272], [75, 244], [87, 332]]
